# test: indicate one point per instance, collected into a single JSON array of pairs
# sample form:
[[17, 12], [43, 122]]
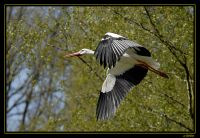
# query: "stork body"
[[128, 64]]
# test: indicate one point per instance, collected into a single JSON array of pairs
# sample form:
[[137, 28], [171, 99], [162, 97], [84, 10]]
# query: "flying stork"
[[128, 64]]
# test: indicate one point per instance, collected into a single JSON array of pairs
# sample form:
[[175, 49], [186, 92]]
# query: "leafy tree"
[[46, 92]]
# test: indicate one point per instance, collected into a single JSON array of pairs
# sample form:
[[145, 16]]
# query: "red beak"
[[73, 54]]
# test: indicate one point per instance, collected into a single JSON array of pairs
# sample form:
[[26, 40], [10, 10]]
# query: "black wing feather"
[[108, 45], [142, 51], [103, 55], [98, 54], [110, 59], [108, 102]]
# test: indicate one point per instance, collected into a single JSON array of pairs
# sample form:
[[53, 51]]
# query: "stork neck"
[[90, 52]]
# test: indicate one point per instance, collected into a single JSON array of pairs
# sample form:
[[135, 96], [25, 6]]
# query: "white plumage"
[[109, 83]]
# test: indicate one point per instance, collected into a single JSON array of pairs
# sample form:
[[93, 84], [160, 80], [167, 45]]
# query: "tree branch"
[[173, 49], [174, 100], [167, 117], [91, 69]]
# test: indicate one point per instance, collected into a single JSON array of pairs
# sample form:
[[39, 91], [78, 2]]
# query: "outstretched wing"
[[114, 90], [110, 49]]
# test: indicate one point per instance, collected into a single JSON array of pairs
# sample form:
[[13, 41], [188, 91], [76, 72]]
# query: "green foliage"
[[155, 105], [145, 106]]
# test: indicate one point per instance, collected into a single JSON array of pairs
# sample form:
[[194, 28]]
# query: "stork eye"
[[82, 51]]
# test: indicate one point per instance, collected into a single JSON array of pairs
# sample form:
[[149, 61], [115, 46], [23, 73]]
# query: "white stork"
[[128, 64]]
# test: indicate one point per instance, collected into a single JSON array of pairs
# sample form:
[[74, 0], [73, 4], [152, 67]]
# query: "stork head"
[[84, 51], [113, 35]]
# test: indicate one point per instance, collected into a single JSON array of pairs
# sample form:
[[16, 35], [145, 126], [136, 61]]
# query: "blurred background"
[[46, 92]]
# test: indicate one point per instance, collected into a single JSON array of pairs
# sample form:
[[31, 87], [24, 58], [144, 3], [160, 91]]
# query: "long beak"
[[73, 54]]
